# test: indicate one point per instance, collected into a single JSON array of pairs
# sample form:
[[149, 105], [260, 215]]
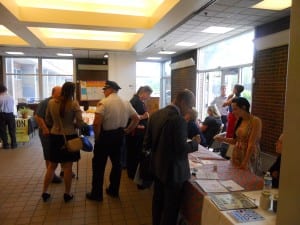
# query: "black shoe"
[[6, 147], [56, 179], [68, 197], [46, 196], [141, 186], [111, 193], [14, 146], [62, 174], [92, 197]]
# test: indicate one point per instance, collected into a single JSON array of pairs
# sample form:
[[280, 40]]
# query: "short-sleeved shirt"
[[219, 101], [72, 118], [42, 107], [6, 103], [115, 112]]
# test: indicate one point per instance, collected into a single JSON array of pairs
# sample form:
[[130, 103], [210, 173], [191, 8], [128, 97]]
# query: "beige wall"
[[289, 194], [122, 69]]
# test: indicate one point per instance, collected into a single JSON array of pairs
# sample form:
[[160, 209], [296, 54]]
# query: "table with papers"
[[212, 215], [212, 174]]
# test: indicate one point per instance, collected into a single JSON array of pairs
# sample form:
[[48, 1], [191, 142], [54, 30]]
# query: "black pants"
[[134, 146], [8, 120], [166, 203], [224, 121], [108, 145]]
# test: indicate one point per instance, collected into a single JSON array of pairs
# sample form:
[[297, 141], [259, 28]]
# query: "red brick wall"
[[270, 70]]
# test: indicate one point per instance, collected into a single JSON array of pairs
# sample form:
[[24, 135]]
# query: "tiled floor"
[[21, 178]]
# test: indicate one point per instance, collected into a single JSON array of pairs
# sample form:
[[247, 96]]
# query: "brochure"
[[228, 201]]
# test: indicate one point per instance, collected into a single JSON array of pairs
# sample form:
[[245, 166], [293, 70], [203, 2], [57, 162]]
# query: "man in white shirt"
[[7, 119], [111, 117], [218, 101]]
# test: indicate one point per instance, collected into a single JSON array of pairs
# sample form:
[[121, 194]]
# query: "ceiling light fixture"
[[164, 52], [154, 58], [185, 44], [15, 53], [273, 5], [105, 55], [64, 54], [217, 30]]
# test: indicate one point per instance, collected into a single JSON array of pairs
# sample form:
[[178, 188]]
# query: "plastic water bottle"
[[268, 181]]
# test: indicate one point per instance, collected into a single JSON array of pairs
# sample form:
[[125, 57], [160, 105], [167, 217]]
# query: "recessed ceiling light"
[[217, 30], [6, 32], [154, 58], [164, 52], [105, 55], [273, 4], [64, 54], [15, 53], [185, 44]]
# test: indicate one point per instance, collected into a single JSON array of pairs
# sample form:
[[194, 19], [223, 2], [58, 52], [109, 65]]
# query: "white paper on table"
[[211, 186], [231, 185], [194, 165], [208, 161], [201, 174]]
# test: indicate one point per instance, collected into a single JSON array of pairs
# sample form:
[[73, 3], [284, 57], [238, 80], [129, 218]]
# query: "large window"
[[228, 62], [149, 73], [32, 79], [55, 72]]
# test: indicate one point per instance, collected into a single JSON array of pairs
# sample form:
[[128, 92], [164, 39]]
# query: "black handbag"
[[146, 172]]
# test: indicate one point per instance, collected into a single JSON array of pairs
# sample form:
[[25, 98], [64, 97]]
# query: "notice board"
[[91, 90]]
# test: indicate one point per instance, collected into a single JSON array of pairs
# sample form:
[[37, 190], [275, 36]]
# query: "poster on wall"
[[91, 90]]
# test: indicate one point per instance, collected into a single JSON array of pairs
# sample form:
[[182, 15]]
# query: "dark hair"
[[239, 88], [67, 94], [146, 88], [186, 96], [244, 104], [2, 88]]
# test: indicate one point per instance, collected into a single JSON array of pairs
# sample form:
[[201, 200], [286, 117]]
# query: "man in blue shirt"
[[7, 119]]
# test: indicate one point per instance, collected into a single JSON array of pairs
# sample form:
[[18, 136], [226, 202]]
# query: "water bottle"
[[268, 181]]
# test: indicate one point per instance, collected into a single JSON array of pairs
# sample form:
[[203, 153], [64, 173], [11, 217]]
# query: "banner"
[[22, 130]]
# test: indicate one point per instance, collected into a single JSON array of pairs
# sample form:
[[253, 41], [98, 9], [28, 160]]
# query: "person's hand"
[[145, 115], [197, 138], [219, 138], [45, 131]]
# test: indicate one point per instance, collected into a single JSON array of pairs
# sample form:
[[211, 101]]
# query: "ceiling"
[[160, 28]]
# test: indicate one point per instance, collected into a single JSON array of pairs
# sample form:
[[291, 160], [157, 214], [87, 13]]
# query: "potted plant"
[[24, 112]]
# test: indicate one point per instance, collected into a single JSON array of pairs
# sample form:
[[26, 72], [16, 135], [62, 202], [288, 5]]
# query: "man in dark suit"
[[166, 136]]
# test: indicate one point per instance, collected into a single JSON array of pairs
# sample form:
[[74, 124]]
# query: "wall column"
[[289, 195]]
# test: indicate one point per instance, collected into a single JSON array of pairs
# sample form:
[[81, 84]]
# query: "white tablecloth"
[[211, 215]]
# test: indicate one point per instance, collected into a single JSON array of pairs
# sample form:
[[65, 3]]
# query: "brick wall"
[[184, 77], [270, 69]]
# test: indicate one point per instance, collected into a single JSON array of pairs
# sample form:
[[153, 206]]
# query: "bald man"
[[44, 130]]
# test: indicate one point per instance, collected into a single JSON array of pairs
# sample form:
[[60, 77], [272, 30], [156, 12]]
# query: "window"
[[149, 73], [22, 78], [32, 79], [166, 85], [55, 72]]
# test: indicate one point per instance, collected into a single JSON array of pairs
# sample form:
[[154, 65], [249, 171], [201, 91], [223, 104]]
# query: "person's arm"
[[97, 125], [134, 120], [41, 124], [229, 100], [222, 138], [252, 141]]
